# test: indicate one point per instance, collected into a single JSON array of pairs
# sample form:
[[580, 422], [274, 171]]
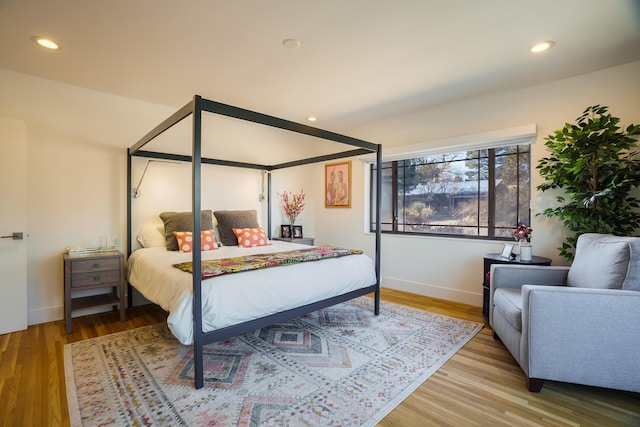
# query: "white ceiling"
[[359, 60]]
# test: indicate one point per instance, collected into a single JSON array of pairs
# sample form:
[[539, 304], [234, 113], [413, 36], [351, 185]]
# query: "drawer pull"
[[96, 278], [96, 265]]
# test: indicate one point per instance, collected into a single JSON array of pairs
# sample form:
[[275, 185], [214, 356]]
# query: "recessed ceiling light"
[[291, 43], [542, 46], [312, 119], [45, 42]]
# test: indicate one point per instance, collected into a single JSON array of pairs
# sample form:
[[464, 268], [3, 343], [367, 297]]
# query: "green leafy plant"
[[597, 164]]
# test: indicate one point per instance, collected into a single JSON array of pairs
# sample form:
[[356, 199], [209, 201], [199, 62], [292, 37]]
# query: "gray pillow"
[[600, 262], [227, 220], [182, 221], [632, 282]]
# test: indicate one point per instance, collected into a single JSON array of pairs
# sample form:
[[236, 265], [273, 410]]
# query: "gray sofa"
[[578, 324]]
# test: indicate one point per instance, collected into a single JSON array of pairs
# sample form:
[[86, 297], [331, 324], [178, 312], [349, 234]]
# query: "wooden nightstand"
[[302, 240], [93, 271]]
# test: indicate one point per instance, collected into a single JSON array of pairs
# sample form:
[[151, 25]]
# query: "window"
[[483, 193]]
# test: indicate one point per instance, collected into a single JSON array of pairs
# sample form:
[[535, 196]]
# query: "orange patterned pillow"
[[248, 237], [185, 240]]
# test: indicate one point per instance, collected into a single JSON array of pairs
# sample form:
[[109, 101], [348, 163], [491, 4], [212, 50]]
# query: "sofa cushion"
[[601, 261], [632, 282], [508, 301]]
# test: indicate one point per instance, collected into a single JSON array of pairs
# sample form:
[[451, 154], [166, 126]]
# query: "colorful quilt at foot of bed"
[[219, 267]]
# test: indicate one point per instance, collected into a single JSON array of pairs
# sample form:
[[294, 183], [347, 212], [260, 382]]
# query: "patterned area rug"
[[340, 366]]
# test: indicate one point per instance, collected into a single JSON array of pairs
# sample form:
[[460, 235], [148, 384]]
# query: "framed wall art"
[[337, 184]]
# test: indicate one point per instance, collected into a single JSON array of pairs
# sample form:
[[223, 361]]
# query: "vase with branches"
[[292, 204]]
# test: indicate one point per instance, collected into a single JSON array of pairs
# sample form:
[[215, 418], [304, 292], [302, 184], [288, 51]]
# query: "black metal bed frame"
[[195, 108]]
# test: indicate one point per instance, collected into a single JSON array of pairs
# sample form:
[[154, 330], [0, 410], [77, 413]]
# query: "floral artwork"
[[292, 204]]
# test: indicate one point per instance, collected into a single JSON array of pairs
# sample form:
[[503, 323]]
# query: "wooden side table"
[[93, 271], [490, 259], [302, 240]]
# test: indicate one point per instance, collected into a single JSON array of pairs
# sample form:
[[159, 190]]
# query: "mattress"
[[235, 298]]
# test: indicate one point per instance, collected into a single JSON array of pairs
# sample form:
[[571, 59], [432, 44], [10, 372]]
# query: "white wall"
[[452, 268], [77, 142], [76, 173]]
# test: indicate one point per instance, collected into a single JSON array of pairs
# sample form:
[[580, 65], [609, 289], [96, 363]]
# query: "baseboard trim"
[[52, 314], [433, 291], [46, 314]]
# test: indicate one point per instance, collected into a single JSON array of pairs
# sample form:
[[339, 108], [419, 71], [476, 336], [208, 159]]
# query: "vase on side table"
[[526, 250]]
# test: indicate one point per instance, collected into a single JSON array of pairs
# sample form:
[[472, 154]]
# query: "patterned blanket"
[[219, 267]]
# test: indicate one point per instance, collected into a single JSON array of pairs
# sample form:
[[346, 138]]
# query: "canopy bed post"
[[197, 255], [378, 222], [268, 202], [129, 183]]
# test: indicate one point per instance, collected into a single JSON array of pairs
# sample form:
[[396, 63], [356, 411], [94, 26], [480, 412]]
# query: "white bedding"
[[239, 297]]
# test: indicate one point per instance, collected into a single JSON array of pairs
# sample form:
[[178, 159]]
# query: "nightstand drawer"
[[90, 265], [80, 280]]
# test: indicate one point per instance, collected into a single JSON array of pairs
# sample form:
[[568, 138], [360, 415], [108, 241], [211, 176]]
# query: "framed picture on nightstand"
[[297, 232], [506, 251], [285, 231]]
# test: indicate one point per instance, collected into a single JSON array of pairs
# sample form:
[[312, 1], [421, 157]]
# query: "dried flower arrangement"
[[293, 204]]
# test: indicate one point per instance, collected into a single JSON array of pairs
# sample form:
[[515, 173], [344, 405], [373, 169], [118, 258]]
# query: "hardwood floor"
[[481, 385]]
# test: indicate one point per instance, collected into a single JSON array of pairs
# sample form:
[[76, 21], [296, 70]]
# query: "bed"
[[236, 298], [206, 311]]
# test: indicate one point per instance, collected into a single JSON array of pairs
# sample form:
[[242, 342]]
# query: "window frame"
[[516, 139]]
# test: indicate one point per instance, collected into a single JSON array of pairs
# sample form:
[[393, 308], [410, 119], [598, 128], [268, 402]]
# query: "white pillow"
[[152, 236]]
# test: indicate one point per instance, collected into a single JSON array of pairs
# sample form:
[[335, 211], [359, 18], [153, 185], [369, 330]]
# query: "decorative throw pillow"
[[249, 237], [600, 262], [152, 236], [228, 220], [182, 221], [185, 240]]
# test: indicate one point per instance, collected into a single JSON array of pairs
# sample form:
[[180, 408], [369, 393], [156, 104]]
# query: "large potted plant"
[[596, 163]]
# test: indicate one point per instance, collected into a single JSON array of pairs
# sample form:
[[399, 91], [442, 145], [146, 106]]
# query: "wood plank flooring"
[[481, 385]]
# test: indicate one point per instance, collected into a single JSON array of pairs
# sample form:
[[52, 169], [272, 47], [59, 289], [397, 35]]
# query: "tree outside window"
[[481, 193]]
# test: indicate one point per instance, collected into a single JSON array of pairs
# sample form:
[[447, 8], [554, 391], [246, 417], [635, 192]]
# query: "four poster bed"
[[232, 304]]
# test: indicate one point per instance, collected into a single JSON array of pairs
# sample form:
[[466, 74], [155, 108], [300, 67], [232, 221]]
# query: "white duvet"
[[239, 297]]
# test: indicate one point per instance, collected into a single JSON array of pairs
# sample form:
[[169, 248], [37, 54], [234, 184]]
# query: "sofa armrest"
[[581, 335], [514, 276]]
